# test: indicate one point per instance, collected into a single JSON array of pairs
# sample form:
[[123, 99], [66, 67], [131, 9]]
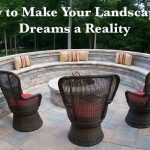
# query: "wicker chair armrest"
[[137, 99], [27, 105], [104, 113], [113, 88]]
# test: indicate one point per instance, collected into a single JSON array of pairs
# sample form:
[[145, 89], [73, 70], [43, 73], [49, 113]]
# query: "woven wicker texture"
[[26, 117], [86, 99], [139, 112]]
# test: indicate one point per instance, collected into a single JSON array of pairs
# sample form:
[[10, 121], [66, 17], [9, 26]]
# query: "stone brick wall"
[[139, 59], [46, 65]]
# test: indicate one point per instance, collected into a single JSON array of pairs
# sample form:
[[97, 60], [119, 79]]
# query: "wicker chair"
[[139, 102], [23, 106], [86, 99]]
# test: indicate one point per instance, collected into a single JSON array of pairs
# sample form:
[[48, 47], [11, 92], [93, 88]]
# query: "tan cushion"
[[117, 60], [123, 58], [64, 56], [27, 59], [75, 56], [83, 55], [120, 58], [69, 56], [18, 63], [22, 62], [128, 60]]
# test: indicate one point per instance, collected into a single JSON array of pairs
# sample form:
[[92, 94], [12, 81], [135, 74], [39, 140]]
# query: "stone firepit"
[[55, 96]]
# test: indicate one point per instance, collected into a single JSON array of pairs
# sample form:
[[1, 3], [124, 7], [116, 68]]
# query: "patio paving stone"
[[108, 134], [7, 146], [143, 142], [53, 135], [109, 115], [17, 138], [62, 143], [102, 146], [118, 119], [39, 141], [109, 125], [125, 136], [145, 131], [128, 148]]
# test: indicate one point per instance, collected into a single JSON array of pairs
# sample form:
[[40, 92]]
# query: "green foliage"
[[138, 38]]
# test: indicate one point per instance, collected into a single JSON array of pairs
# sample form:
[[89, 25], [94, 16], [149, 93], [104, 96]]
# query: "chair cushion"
[[18, 63], [70, 56], [64, 56], [128, 59], [123, 58], [140, 93], [26, 95], [141, 99], [87, 109], [27, 60], [120, 58], [75, 56], [22, 62], [83, 55], [20, 102]]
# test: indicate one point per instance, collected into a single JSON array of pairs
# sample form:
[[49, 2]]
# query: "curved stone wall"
[[46, 65], [139, 59], [131, 76]]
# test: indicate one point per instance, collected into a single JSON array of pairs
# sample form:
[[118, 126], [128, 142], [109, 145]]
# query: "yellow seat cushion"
[[83, 55], [128, 60], [18, 63], [123, 58], [27, 60], [70, 56], [22, 62], [64, 56], [75, 56]]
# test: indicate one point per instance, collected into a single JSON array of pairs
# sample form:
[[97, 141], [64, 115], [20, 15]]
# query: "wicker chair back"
[[10, 86], [86, 99], [23, 106], [147, 83]]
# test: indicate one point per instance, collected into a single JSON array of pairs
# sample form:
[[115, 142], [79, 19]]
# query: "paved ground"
[[53, 134]]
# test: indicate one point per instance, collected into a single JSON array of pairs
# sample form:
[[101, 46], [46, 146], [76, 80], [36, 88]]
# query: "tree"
[[9, 24], [136, 40], [70, 26]]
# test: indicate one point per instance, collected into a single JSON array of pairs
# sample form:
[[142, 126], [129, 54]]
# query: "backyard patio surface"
[[53, 134]]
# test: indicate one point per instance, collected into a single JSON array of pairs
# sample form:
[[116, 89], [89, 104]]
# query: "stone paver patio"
[[53, 134]]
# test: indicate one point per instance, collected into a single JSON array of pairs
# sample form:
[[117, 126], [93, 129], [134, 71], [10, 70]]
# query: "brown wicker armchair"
[[139, 102], [23, 106], [86, 99]]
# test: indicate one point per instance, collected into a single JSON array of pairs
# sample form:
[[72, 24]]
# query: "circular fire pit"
[[55, 96]]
